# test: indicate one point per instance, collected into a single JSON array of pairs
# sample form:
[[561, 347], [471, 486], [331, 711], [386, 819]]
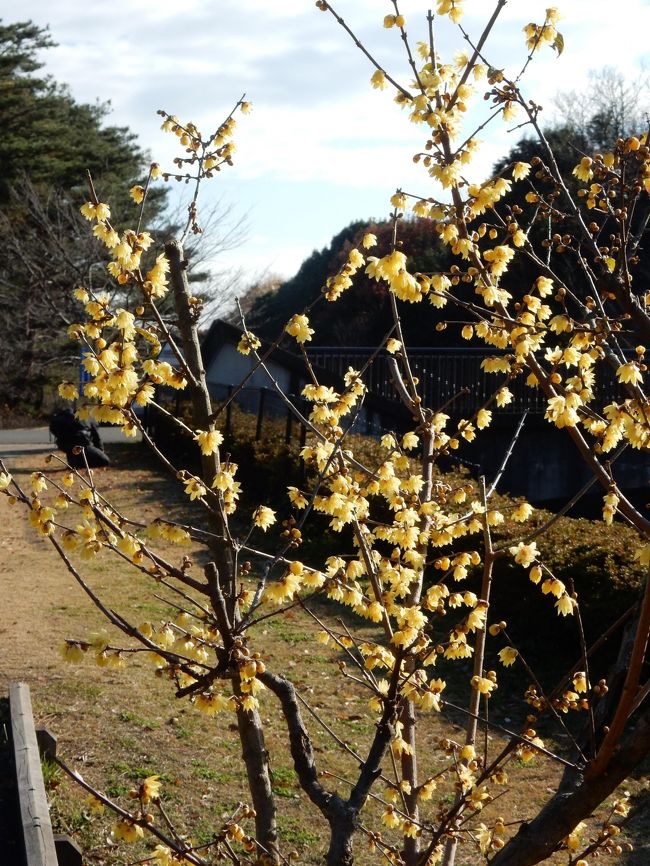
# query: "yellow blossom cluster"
[[337, 284], [392, 269], [298, 328], [229, 489], [248, 343], [545, 34], [210, 152]]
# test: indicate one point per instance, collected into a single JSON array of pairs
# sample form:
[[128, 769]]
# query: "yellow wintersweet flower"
[[297, 499], [524, 554], [92, 211], [224, 479], [194, 488], [71, 652], [467, 753], [410, 441], [38, 482], [378, 80], [94, 805], [520, 170], [127, 831], [527, 751], [495, 518], [390, 818], [565, 604], [137, 194], [156, 279], [406, 287], [499, 257], [150, 789], [642, 554], [298, 327], [476, 619], [583, 170], [5, 480], [164, 856], [610, 504], [248, 342], [574, 840], [107, 235], [264, 517], [580, 681], [519, 238], [211, 703], [553, 586], [410, 829], [478, 796], [622, 806], [68, 390], [209, 440], [452, 8], [129, 546], [507, 656], [629, 373], [522, 512], [563, 410], [496, 364], [510, 111], [484, 685]]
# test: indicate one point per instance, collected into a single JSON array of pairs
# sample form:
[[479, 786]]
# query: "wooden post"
[[34, 813], [260, 414]]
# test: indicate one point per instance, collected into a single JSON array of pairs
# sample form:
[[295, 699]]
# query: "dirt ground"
[[40, 600], [37, 594]]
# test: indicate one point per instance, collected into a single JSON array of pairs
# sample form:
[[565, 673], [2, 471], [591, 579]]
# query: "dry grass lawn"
[[117, 727]]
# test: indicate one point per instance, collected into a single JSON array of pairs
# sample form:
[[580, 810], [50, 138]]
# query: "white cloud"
[[317, 133]]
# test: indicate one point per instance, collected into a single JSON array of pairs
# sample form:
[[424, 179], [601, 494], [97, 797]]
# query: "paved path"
[[23, 440]]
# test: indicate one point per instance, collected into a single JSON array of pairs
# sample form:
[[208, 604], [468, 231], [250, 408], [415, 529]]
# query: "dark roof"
[[221, 332]]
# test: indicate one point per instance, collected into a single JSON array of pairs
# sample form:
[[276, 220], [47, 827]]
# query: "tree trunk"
[[256, 760], [251, 733], [340, 852], [574, 802]]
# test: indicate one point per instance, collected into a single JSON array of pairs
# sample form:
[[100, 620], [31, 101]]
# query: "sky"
[[321, 147]]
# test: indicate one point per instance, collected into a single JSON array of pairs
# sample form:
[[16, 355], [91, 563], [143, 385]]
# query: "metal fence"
[[448, 377]]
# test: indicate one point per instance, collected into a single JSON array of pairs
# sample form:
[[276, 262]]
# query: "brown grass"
[[117, 727]]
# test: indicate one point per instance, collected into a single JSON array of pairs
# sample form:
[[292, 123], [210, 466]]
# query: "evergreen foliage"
[[49, 141]]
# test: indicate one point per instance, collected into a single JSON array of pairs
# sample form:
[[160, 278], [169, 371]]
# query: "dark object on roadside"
[[71, 433]]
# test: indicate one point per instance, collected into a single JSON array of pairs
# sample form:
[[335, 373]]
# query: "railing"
[[448, 377]]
